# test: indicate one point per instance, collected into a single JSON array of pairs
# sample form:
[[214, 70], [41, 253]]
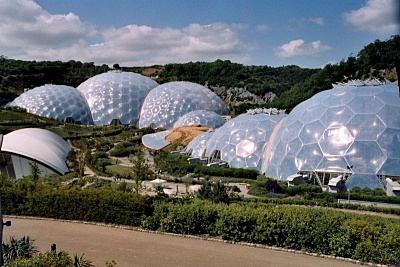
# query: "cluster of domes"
[[126, 98], [352, 130]]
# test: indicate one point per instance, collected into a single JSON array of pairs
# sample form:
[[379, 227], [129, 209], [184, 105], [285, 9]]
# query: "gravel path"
[[135, 248]]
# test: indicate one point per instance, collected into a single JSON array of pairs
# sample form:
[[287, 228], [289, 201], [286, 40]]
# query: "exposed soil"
[[183, 135]]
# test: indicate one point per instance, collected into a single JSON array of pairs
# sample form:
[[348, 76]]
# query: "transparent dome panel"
[[311, 132], [333, 164], [335, 141], [386, 115], [390, 167], [389, 141], [337, 116], [366, 104], [363, 180], [308, 157], [365, 156], [366, 127]]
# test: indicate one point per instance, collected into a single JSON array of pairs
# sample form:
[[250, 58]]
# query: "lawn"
[[122, 171]]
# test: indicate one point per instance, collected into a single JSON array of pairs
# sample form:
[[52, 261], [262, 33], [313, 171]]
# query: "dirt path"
[[134, 248]]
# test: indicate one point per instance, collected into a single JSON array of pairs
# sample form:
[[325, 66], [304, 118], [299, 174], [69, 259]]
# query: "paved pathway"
[[134, 248]]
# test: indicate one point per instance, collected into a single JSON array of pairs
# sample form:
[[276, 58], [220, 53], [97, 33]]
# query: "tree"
[[34, 171], [271, 185], [214, 191], [81, 163], [140, 170]]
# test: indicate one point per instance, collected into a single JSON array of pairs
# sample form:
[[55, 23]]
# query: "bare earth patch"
[[183, 135]]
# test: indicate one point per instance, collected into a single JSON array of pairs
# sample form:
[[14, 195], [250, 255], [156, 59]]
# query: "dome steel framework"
[[351, 130]]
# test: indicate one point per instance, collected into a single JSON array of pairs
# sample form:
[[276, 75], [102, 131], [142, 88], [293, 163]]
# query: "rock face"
[[236, 96]]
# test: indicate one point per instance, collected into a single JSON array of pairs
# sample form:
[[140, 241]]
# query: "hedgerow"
[[312, 229]]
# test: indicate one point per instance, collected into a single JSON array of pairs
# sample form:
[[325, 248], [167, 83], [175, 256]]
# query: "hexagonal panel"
[[365, 157], [312, 113], [390, 167], [387, 116], [366, 127], [308, 157], [333, 164], [245, 148], [365, 104], [338, 98], [337, 116], [335, 141], [363, 180], [311, 132]]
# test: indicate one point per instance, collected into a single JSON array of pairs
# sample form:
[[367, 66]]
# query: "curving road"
[[135, 248]]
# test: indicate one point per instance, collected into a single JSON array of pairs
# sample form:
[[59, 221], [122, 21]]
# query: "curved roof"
[[200, 117], [166, 103], [197, 146], [346, 126], [241, 140], [116, 97], [55, 101], [156, 140], [38, 144]]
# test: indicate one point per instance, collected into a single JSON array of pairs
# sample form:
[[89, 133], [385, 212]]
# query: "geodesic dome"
[[351, 129], [200, 117], [197, 146], [241, 141], [116, 97], [166, 103], [55, 101]]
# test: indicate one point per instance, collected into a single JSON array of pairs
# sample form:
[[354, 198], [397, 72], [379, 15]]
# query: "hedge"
[[361, 237], [107, 206]]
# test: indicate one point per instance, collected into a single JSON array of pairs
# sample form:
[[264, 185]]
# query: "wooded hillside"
[[291, 84]]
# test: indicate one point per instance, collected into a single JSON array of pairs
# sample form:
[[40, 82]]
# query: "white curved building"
[[19, 148], [55, 101], [352, 131], [116, 97], [166, 103]]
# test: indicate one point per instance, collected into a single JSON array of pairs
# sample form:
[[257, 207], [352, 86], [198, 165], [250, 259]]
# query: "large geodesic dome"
[[55, 101], [166, 103], [116, 97], [241, 141], [350, 130], [200, 117]]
